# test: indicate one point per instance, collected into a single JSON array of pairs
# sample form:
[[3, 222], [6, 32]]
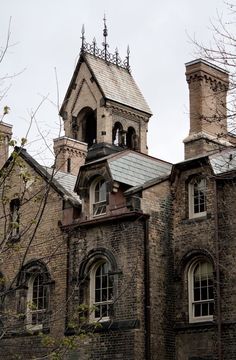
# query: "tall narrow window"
[[201, 292], [37, 302], [101, 291], [117, 134], [15, 217], [98, 197], [197, 198]]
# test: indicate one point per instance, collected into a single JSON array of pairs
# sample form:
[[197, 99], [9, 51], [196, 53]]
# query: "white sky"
[[46, 35]]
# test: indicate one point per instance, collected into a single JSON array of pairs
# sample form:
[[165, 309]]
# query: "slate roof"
[[67, 182], [134, 169], [116, 83], [63, 183], [223, 161]]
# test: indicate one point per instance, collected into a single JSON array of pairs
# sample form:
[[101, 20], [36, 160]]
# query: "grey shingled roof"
[[67, 181], [135, 169], [117, 83], [223, 161]]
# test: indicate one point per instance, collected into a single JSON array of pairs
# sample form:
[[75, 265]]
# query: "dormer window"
[[98, 197]]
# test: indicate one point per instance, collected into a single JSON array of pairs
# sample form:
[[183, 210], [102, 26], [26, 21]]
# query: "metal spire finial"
[[127, 58], [105, 33], [82, 37]]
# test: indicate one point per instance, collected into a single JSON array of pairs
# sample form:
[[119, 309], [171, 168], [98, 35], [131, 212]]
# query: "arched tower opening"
[[84, 126], [117, 134], [131, 139]]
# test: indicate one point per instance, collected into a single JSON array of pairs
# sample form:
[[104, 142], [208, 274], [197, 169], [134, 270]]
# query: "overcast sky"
[[46, 35]]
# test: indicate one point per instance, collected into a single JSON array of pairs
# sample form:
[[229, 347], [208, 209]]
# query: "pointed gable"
[[114, 82]]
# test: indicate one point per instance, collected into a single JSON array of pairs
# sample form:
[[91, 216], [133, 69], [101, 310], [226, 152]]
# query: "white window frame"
[[30, 310], [93, 303], [191, 300], [97, 208], [191, 198]]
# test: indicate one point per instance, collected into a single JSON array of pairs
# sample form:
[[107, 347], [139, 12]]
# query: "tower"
[[103, 106]]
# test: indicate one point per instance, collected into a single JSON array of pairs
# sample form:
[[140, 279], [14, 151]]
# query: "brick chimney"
[[70, 154], [5, 137], [208, 85]]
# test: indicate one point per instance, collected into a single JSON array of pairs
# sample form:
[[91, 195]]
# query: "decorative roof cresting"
[[104, 53]]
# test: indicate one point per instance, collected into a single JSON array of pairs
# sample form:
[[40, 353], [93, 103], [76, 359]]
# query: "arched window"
[[130, 138], [84, 126], [201, 291], [101, 290], [117, 134], [37, 301], [98, 197], [197, 197]]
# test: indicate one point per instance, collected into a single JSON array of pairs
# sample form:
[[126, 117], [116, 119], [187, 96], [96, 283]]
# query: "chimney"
[[70, 154], [208, 85], [5, 137]]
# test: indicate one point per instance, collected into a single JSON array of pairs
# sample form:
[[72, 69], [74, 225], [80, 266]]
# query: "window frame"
[[96, 205], [191, 300], [29, 308], [191, 198], [93, 288]]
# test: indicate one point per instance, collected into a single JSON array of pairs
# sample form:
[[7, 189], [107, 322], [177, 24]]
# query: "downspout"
[[218, 299], [147, 318]]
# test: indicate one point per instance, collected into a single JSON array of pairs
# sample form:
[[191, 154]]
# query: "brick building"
[[135, 253]]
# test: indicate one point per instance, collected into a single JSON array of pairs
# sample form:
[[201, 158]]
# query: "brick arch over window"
[[98, 285], [93, 255], [86, 181], [189, 257]]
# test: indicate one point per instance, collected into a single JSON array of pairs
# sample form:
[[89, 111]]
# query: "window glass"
[[201, 291], [99, 198], [103, 291]]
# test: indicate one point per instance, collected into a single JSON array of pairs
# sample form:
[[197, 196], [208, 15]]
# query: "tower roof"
[[116, 83], [113, 78]]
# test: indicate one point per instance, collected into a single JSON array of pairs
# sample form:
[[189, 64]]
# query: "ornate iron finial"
[[127, 58], [105, 33], [82, 37], [117, 56], [94, 46]]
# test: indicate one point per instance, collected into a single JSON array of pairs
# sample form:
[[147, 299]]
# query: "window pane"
[[103, 290], [205, 309], [197, 309], [196, 294], [203, 291], [39, 300]]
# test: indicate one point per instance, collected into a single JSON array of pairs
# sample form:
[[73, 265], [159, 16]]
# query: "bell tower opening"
[[84, 126], [131, 139], [117, 134]]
